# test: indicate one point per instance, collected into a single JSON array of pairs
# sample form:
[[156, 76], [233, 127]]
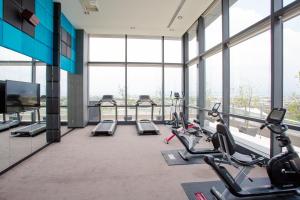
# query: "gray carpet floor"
[[125, 166]]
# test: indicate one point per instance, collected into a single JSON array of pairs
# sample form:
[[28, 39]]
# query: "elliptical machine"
[[283, 169], [173, 111]]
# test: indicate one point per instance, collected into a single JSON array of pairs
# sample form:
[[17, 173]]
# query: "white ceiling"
[[148, 17]]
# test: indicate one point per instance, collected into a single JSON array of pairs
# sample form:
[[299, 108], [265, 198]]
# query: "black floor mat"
[[191, 189], [172, 157]]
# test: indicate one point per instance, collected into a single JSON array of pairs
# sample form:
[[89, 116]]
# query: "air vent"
[[89, 6]]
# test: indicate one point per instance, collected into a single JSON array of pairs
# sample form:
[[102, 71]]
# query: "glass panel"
[[192, 114], [144, 50], [63, 95], [193, 44], [173, 51], [41, 79], [107, 49], [40, 140], [141, 79], [213, 27], [247, 133], [9, 55], [17, 73], [287, 2], [244, 13], [107, 80], [295, 139], [250, 76], [291, 77], [213, 80], [193, 82], [173, 83]]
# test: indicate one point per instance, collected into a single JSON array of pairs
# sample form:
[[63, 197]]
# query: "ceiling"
[[136, 17]]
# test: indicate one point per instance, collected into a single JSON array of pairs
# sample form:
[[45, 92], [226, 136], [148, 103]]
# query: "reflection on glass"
[[193, 82], [9, 55], [173, 51], [107, 49], [247, 133], [63, 95], [291, 75], [213, 80], [244, 13], [144, 50], [193, 44], [145, 80], [173, 83], [250, 76]]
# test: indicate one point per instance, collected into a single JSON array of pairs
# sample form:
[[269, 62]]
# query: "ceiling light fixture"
[[179, 17], [89, 6], [132, 27]]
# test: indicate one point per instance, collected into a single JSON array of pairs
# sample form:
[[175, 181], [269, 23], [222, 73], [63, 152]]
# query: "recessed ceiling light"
[[179, 17], [171, 29], [132, 27]]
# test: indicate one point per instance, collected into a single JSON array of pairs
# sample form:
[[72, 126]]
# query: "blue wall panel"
[[66, 63], [41, 46], [1, 32]]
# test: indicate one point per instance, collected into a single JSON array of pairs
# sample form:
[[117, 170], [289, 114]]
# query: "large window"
[[250, 77], [213, 27], [107, 49], [173, 51], [193, 44], [107, 80], [213, 80], [291, 75], [193, 85], [173, 83], [144, 80], [244, 13], [144, 50]]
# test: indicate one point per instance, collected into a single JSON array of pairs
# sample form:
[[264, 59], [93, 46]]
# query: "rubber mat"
[[193, 189]]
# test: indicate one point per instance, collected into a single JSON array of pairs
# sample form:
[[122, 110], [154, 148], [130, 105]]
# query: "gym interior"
[[137, 99]]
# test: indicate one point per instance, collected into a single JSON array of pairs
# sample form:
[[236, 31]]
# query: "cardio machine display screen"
[[276, 116]]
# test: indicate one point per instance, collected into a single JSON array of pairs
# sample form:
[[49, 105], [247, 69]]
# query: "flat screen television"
[[21, 96]]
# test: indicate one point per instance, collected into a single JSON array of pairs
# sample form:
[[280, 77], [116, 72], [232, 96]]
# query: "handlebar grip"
[[262, 126]]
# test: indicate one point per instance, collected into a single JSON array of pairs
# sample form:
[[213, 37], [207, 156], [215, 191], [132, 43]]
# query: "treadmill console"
[[216, 107], [176, 95], [276, 116], [144, 98]]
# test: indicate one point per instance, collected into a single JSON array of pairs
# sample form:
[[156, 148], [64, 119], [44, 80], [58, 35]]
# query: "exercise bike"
[[190, 137], [283, 169]]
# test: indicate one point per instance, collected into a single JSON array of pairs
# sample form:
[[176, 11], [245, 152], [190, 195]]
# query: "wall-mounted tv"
[[21, 96]]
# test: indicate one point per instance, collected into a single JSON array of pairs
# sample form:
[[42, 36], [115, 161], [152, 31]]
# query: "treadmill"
[[145, 126], [106, 127], [11, 123], [32, 129]]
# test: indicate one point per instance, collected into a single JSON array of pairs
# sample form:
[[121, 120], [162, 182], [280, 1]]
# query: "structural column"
[[78, 84], [185, 54], [201, 69], [226, 60], [53, 82], [276, 66]]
